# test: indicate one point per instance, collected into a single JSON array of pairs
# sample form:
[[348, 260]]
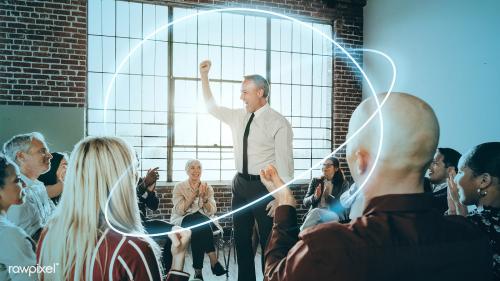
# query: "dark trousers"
[[245, 191], [159, 226], [202, 237]]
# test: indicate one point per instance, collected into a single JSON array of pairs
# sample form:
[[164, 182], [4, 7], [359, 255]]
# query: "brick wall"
[[43, 52], [43, 49]]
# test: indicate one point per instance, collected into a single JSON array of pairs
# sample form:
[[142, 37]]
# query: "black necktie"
[[245, 145]]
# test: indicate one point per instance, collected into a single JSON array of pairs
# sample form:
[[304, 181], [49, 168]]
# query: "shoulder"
[[338, 235], [180, 185], [10, 232]]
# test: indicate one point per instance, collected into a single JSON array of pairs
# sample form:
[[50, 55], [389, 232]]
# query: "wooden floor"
[[233, 268]]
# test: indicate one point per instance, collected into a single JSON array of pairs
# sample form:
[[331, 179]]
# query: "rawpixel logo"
[[33, 269]]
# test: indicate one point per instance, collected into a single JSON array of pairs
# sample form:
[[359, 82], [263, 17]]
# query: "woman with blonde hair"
[[83, 242]]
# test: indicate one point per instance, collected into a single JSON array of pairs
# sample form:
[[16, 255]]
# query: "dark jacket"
[[333, 200], [151, 201]]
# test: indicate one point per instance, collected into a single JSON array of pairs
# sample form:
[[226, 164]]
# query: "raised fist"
[[205, 67]]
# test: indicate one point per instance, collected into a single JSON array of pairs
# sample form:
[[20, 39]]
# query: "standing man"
[[261, 136]]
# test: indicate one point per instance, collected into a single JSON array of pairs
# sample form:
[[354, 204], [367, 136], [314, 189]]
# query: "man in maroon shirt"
[[399, 236]]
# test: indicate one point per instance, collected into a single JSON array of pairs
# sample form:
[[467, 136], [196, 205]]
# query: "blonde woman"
[[78, 239], [194, 203]]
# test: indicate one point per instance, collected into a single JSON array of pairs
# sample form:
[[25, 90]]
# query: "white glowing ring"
[[379, 105]]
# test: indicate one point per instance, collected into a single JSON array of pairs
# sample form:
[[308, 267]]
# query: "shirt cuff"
[[285, 216], [178, 273]]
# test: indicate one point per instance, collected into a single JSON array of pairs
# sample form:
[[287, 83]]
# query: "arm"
[[310, 198], [180, 242], [224, 114], [283, 149], [54, 190], [181, 203], [137, 261], [151, 201]]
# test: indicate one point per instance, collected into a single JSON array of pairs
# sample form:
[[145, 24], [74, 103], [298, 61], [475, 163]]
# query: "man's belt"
[[249, 177]]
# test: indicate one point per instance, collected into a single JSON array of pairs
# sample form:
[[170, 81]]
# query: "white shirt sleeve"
[[284, 151], [20, 254], [25, 216], [222, 113]]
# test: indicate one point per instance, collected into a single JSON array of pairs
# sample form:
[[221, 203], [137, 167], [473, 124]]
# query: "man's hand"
[[272, 181], [452, 187], [180, 242], [151, 177], [61, 171], [205, 68], [271, 208]]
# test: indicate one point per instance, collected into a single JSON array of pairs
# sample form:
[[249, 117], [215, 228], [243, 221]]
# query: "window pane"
[[95, 53], [122, 19], [108, 18], [161, 23], [185, 60], [149, 15], [185, 129], [94, 21], [108, 50], [208, 130], [135, 20]]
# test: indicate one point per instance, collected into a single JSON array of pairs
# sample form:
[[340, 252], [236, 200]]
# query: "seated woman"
[[194, 203], [16, 246], [99, 193], [53, 179], [478, 183], [323, 194]]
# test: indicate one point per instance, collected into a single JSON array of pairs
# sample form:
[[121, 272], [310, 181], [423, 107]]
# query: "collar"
[[29, 182], [416, 202], [438, 187], [261, 110]]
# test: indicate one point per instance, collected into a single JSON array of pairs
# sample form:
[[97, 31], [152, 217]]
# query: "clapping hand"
[[271, 208], [272, 182], [203, 191], [151, 177], [180, 242]]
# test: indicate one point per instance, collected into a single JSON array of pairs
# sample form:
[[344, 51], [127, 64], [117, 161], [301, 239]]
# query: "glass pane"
[[286, 68], [148, 57], [161, 59], [161, 93], [305, 101], [135, 20], [275, 67], [250, 32], [108, 50], [135, 93], [122, 19], [185, 60], [122, 91], [275, 97], [94, 90], [94, 17], [286, 35], [108, 18], [214, 28], [154, 130], [306, 69], [232, 63], [208, 130], [161, 23], [148, 12], [275, 34], [95, 53], [186, 29], [135, 56], [295, 100], [185, 129], [185, 96], [122, 51], [260, 33], [148, 93], [296, 39], [306, 40], [212, 53], [317, 69]]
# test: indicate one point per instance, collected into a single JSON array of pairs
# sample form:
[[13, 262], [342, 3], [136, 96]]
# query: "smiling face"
[[467, 184], [252, 96], [11, 191], [437, 171], [329, 169], [194, 171], [37, 160]]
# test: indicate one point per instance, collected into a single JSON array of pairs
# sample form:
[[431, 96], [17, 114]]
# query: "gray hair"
[[260, 82], [191, 162], [20, 142]]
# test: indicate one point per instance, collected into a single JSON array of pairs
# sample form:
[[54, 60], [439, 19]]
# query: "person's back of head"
[[100, 169], [410, 137]]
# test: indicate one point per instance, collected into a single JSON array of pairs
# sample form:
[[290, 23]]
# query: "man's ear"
[[260, 93], [20, 156], [361, 162]]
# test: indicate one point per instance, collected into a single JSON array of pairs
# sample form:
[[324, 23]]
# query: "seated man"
[[399, 236], [31, 154], [445, 161]]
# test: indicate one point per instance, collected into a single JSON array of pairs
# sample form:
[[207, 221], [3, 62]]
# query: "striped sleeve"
[[136, 261]]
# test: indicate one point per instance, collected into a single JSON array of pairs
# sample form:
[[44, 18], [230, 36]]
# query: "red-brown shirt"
[[399, 237], [120, 257]]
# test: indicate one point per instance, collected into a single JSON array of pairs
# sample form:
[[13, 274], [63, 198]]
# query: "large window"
[[156, 101]]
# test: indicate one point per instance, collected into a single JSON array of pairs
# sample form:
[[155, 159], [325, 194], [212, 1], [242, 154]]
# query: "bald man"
[[399, 235]]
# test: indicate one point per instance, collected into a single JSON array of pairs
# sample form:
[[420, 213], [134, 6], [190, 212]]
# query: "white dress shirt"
[[17, 250], [269, 140], [36, 210]]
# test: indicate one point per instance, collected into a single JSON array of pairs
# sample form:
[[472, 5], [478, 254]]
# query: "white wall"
[[448, 53]]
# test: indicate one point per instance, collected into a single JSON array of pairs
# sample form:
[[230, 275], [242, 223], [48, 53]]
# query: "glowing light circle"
[[378, 111]]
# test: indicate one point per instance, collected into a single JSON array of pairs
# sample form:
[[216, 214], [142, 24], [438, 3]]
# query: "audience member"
[[17, 248], [353, 201], [400, 236], [445, 161], [322, 197], [194, 203], [146, 195], [53, 179], [478, 183], [99, 193], [31, 154]]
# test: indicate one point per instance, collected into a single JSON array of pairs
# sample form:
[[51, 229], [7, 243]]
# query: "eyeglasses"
[[327, 165]]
